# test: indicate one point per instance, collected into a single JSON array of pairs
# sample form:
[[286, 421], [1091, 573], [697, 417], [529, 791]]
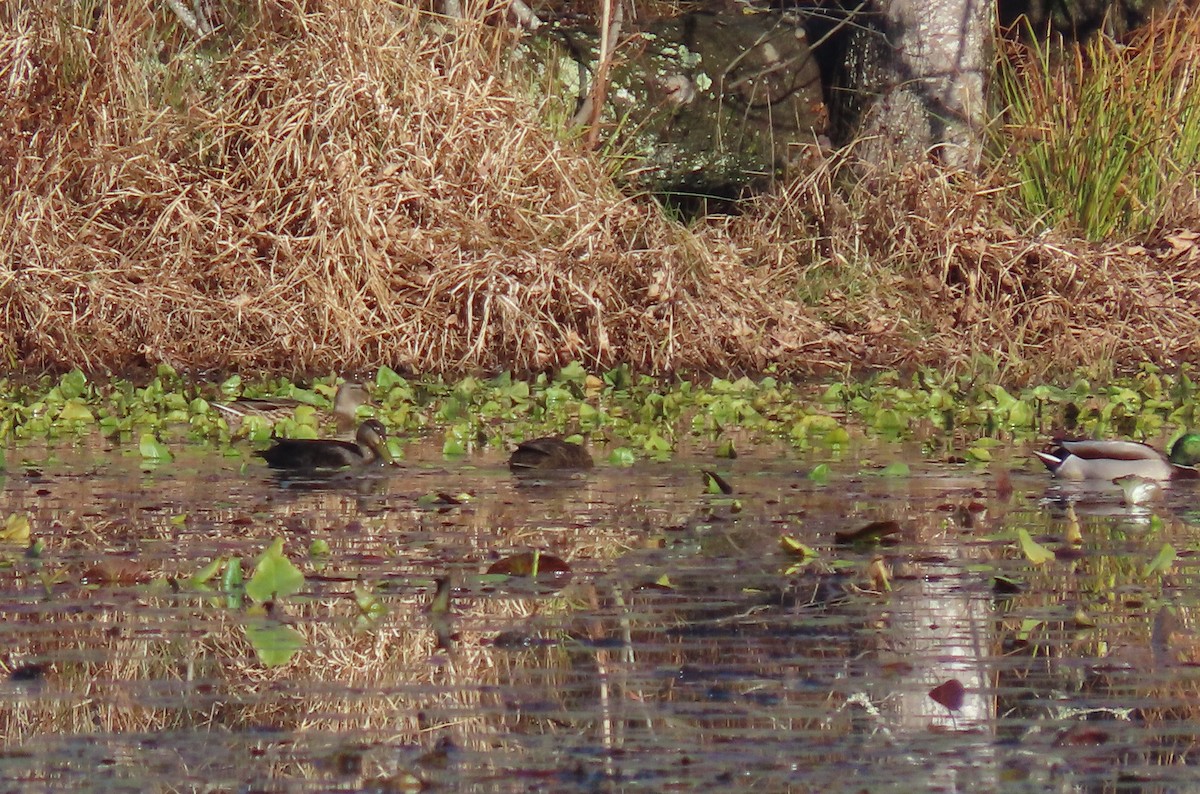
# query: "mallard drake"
[[1087, 459], [274, 409], [369, 445], [548, 454]]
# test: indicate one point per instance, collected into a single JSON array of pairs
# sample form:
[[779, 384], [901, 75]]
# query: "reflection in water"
[[688, 652], [942, 624]]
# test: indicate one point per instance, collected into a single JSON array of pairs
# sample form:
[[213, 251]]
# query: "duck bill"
[[384, 454]]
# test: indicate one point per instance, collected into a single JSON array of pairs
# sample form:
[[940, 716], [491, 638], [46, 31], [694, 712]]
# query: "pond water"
[[687, 649]]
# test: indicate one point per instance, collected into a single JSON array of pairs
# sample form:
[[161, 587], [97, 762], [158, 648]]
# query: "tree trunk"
[[917, 73]]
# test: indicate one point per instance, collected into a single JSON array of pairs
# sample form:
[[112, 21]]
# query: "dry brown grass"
[[344, 185], [918, 267], [350, 187]]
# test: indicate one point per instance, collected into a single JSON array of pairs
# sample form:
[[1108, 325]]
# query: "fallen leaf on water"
[[949, 694], [715, 483], [1035, 552], [871, 533], [16, 529], [115, 571], [531, 564], [795, 547]]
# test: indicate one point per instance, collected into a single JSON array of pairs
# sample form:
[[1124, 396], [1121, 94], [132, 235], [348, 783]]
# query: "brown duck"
[[549, 454], [311, 454], [274, 409]]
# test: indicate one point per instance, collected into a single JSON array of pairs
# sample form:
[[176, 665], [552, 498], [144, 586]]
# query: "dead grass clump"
[[340, 189], [352, 186], [916, 267]]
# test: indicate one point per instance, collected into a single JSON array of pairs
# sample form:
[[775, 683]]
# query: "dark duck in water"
[[311, 454], [548, 455]]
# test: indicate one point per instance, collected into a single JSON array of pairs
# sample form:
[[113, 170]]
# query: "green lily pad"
[[274, 643], [622, 456], [274, 575], [152, 449], [75, 410]]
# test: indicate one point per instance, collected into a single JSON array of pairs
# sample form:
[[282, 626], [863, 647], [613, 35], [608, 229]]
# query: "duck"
[[548, 454], [1088, 459], [311, 454], [346, 400]]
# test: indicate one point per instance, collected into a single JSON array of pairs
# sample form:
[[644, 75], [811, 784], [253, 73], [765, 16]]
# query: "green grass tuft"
[[1102, 135]]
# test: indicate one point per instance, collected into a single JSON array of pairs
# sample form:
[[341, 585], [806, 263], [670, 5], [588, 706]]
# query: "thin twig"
[[610, 33]]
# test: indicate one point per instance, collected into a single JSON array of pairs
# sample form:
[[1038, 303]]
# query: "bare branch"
[[524, 15], [194, 20], [610, 32]]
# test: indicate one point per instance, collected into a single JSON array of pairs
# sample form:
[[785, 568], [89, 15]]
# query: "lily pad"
[[274, 576], [819, 473], [274, 643], [152, 449], [622, 456]]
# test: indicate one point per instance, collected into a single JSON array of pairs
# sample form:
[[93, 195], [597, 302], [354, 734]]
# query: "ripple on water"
[[687, 650]]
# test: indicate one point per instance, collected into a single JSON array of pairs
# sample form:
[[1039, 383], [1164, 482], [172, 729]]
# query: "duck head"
[[1186, 450], [372, 435]]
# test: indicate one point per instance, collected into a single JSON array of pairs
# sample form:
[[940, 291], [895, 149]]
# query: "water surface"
[[686, 650]]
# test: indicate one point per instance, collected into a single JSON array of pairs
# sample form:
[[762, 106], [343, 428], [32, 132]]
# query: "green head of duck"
[[1186, 450]]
